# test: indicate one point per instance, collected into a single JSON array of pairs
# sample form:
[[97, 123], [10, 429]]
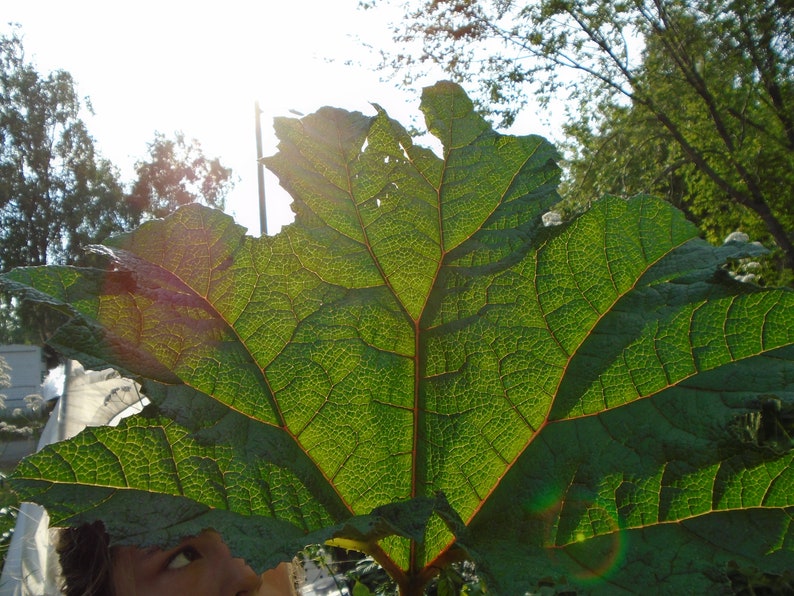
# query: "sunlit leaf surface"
[[593, 405]]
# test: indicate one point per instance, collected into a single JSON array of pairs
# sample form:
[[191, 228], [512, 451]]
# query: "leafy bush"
[[419, 369]]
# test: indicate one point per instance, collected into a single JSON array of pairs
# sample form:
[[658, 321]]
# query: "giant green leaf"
[[418, 366]]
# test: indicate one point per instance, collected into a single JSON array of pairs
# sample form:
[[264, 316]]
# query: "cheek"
[[197, 579], [277, 581], [124, 573]]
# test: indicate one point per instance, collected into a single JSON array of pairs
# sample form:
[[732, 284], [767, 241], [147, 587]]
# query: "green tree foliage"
[[58, 195], [747, 129], [706, 107], [176, 172], [419, 369]]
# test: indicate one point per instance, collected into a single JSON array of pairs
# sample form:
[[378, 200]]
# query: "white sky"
[[199, 67]]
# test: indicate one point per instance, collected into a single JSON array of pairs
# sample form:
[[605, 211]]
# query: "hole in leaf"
[[749, 581], [769, 426]]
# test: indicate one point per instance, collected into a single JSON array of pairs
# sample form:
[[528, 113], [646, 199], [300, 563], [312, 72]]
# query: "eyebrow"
[[150, 551], [155, 549]]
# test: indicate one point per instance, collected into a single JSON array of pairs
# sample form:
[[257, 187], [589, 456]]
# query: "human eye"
[[182, 558]]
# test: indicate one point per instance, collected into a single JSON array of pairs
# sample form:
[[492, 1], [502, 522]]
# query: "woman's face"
[[199, 566]]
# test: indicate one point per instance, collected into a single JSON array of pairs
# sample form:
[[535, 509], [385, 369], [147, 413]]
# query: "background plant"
[[420, 369], [687, 100]]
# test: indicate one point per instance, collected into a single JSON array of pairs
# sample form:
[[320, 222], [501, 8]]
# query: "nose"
[[238, 578], [242, 579]]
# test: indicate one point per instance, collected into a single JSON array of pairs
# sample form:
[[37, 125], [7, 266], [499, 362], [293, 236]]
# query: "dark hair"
[[86, 563]]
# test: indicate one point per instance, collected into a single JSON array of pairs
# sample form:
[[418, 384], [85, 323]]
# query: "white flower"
[[747, 278], [738, 237], [34, 402], [551, 218]]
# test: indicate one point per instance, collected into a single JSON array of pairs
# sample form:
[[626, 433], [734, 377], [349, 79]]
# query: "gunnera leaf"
[[419, 366]]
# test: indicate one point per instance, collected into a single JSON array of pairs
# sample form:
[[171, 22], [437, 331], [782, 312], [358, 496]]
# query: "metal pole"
[[63, 407], [260, 170]]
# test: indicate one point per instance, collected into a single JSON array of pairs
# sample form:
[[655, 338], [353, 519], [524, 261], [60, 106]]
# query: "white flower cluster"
[[34, 402], [551, 218], [747, 270], [24, 432], [737, 237]]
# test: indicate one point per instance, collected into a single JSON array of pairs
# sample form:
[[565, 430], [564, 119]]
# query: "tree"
[[420, 369], [58, 195], [714, 82], [177, 173], [56, 192], [613, 154]]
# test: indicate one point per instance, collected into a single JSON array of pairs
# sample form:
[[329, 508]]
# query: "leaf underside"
[[592, 405]]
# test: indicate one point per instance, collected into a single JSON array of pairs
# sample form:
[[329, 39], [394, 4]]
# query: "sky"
[[199, 67]]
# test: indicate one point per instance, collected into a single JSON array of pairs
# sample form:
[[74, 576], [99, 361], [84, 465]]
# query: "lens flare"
[[595, 557], [581, 535]]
